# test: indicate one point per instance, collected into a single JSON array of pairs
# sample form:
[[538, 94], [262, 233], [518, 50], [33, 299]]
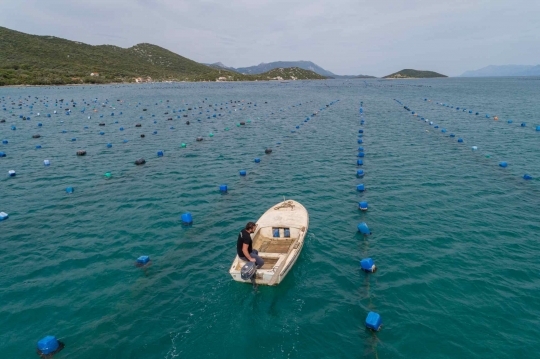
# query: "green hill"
[[46, 60], [414, 74], [290, 73]]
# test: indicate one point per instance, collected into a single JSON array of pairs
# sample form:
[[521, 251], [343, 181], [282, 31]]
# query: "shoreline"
[[413, 78], [156, 82]]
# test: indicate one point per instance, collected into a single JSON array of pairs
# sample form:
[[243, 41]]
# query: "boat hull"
[[279, 238]]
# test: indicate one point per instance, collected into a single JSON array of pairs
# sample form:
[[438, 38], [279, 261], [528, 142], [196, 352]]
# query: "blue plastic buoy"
[[360, 187], [121, 129], [523, 124], [5, 142], [186, 218], [360, 173], [361, 154], [125, 141], [40, 124], [360, 141], [46, 162], [443, 130], [243, 173], [373, 321], [363, 228], [3, 216], [38, 146], [12, 173], [503, 164], [527, 177], [460, 140], [69, 190], [360, 131], [537, 128], [155, 132], [74, 139], [359, 162], [160, 153], [142, 261], [102, 133], [474, 148], [360, 149], [367, 265], [48, 345], [257, 160], [363, 205], [452, 135], [510, 121]]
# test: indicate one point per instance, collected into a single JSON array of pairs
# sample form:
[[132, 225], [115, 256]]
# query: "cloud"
[[344, 36]]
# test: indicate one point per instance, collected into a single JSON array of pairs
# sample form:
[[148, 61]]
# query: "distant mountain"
[[414, 74], [220, 66], [504, 70], [306, 65]]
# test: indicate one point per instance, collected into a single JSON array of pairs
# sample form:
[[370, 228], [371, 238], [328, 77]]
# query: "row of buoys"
[[373, 320], [269, 150], [224, 188], [502, 164], [495, 118]]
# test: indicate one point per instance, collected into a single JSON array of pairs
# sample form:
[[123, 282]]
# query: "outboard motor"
[[248, 271]]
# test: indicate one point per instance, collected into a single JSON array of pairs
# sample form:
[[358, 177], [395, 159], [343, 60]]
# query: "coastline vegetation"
[[46, 60]]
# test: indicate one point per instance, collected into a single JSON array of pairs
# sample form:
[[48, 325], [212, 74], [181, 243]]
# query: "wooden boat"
[[279, 238]]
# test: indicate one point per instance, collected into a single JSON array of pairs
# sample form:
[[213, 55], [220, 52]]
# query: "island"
[[414, 74]]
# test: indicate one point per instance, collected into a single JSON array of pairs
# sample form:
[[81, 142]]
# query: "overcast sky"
[[346, 37]]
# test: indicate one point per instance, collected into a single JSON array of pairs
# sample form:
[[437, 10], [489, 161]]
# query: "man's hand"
[[252, 260]]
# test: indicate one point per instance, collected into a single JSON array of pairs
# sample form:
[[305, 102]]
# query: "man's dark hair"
[[250, 225]]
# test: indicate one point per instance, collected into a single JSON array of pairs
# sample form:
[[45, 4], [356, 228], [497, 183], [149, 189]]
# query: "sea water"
[[455, 236]]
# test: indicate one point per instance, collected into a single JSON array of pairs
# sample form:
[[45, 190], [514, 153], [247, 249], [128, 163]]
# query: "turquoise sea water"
[[455, 236]]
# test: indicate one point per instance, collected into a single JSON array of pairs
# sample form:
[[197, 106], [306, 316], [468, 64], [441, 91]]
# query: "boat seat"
[[269, 263], [281, 245]]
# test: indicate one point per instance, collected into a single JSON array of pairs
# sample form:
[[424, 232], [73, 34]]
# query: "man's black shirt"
[[243, 237]]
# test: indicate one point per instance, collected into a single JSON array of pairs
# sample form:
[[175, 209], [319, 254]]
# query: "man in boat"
[[244, 247]]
